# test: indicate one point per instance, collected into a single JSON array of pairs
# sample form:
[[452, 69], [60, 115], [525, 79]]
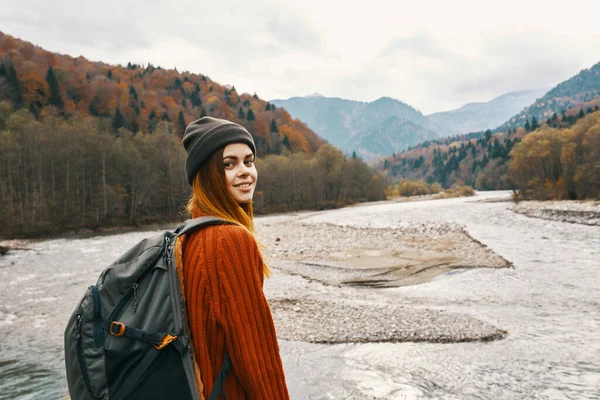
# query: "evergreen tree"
[[386, 164], [184, 103], [241, 114], [95, 107], [2, 70], [133, 93], [354, 156], [250, 115], [134, 126], [255, 96], [581, 113], [109, 74], [286, 142], [202, 112], [118, 120], [488, 135], [181, 122], [152, 121], [274, 126], [534, 124], [195, 99], [268, 107], [13, 79], [527, 126], [55, 97]]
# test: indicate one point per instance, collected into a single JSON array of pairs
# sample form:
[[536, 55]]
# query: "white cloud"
[[434, 55]]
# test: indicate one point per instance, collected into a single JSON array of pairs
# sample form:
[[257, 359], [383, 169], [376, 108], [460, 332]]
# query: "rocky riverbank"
[[333, 281], [576, 212], [332, 322], [15, 244]]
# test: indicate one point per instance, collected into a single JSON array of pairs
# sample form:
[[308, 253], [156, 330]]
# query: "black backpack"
[[128, 336]]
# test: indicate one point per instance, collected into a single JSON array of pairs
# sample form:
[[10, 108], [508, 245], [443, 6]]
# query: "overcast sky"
[[433, 55]]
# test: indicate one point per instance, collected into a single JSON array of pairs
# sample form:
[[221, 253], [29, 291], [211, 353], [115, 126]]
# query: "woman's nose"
[[244, 170]]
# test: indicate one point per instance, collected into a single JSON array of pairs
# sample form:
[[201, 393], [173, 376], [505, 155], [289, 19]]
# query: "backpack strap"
[[189, 226], [219, 387], [198, 223]]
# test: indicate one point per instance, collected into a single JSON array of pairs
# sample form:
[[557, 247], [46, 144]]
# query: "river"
[[548, 303]]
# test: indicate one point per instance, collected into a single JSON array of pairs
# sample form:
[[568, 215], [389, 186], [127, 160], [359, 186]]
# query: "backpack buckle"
[[164, 342], [117, 328]]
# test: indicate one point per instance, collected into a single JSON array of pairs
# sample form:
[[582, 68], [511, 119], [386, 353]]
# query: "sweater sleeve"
[[250, 332]]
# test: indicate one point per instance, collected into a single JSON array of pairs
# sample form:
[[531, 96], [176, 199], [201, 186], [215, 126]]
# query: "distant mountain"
[[581, 88], [474, 117], [393, 135], [339, 121]]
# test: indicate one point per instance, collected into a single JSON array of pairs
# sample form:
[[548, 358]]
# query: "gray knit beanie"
[[205, 136]]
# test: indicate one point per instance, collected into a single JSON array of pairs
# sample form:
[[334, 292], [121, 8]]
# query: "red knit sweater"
[[227, 311]]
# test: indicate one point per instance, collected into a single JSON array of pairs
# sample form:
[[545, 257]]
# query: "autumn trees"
[[291, 182], [85, 144], [137, 98], [58, 175], [555, 163]]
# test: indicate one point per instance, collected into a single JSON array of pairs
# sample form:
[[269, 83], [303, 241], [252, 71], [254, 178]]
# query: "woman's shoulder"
[[225, 231]]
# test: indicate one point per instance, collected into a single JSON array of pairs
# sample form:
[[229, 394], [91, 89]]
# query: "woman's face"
[[240, 172]]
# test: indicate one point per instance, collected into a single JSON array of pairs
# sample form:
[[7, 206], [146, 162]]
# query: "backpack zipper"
[[97, 307], [81, 359], [135, 296], [120, 307]]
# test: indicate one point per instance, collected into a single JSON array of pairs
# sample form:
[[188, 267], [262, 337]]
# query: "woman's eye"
[[249, 162], [228, 164]]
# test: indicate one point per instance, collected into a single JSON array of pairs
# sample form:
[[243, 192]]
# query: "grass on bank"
[[408, 188]]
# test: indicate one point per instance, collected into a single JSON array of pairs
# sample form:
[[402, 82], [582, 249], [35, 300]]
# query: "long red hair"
[[210, 196]]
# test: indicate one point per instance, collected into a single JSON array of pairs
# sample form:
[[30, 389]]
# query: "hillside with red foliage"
[[138, 97]]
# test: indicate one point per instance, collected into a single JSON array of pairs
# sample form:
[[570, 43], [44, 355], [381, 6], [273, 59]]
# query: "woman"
[[223, 269]]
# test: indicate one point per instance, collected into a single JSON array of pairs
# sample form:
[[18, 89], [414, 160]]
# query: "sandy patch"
[[337, 255]]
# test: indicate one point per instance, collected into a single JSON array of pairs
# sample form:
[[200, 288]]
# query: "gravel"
[[334, 322], [576, 212], [339, 284]]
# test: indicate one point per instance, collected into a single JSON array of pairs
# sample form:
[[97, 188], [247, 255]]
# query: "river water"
[[549, 304]]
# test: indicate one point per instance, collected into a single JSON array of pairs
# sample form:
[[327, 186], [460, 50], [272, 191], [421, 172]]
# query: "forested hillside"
[[137, 98], [89, 145], [581, 88], [484, 162]]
